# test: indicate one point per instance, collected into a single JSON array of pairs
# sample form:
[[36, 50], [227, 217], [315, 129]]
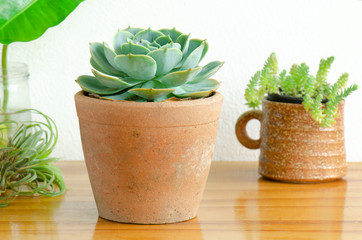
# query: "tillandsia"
[[319, 97], [150, 65], [25, 164]]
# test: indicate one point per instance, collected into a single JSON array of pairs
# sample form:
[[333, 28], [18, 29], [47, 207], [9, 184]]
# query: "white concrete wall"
[[241, 33]]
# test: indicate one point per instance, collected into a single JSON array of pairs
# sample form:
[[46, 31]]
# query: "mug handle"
[[240, 129]]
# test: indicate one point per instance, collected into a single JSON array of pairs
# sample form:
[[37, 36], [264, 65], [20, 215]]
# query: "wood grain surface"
[[237, 204]]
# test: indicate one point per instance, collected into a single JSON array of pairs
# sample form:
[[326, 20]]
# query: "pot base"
[[301, 181], [298, 175], [150, 222]]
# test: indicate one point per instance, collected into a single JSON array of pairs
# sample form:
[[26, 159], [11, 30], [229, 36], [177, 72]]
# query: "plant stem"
[[5, 78]]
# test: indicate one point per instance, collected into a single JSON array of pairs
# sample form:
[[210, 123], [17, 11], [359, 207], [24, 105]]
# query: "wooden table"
[[237, 204]]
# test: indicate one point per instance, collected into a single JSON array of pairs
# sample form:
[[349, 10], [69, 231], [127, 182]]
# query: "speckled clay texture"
[[295, 149], [148, 162]]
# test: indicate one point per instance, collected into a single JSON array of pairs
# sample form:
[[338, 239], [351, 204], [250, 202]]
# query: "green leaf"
[[166, 59], [92, 85], [195, 43], [171, 45], [152, 90], [111, 82], [135, 49], [173, 33], [110, 55], [149, 35], [155, 44], [134, 31], [151, 93], [99, 57], [175, 79], [163, 40], [119, 97], [208, 70], [197, 90], [183, 40], [139, 67], [120, 38], [193, 58], [26, 20], [142, 42], [151, 48]]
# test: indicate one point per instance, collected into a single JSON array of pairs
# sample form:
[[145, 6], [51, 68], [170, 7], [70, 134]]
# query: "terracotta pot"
[[293, 148], [148, 162]]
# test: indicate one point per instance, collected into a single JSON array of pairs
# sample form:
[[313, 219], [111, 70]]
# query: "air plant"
[[150, 65], [25, 164], [318, 97]]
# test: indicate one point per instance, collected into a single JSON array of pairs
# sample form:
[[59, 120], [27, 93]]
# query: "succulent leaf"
[[110, 55], [151, 48], [151, 93], [141, 67], [136, 49], [134, 31], [166, 59], [92, 85], [171, 45], [163, 40], [111, 82], [99, 57], [193, 58], [199, 89], [183, 40], [175, 79], [148, 34], [120, 96], [152, 90], [155, 44], [141, 42], [173, 33], [97, 67], [120, 38], [208, 70], [195, 43]]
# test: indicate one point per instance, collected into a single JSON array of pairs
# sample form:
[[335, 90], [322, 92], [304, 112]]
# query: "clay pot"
[[293, 148], [148, 162]]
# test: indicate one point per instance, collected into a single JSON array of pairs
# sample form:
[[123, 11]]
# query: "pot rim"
[[149, 114], [289, 104], [199, 101]]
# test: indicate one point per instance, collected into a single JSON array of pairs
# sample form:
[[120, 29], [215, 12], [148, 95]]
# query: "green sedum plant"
[[25, 164], [150, 65], [313, 91]]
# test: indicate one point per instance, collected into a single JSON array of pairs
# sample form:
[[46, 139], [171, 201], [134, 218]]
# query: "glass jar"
[[14, 96]]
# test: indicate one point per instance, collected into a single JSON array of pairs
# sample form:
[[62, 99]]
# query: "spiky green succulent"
[[150, 65], [300, 83]]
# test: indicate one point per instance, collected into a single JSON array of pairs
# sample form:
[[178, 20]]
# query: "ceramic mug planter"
[[293, 148], [148, 162]]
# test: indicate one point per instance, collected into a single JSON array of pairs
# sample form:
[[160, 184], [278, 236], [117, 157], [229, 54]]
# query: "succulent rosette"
[[150, 65]]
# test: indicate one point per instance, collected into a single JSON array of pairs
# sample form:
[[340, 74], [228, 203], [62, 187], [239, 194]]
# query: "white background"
[[241, 33]]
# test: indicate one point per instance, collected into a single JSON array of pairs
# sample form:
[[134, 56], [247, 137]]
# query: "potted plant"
[[148, 121], [26, 167], [23, 21], [302, 128]]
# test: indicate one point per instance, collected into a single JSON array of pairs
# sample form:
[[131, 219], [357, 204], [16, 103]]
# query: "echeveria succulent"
[[150, 65]]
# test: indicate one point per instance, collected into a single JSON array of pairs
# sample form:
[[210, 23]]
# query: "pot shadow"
[[275, 210], [105, 229]]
